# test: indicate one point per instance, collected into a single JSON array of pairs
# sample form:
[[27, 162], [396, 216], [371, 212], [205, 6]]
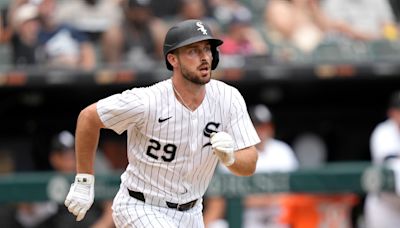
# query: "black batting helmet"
[[188, 32]]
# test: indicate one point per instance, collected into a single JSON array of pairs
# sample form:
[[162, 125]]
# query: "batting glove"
[[81, 195], [223, 144]]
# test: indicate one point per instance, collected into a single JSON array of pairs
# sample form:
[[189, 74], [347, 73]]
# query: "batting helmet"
[[188, 32]]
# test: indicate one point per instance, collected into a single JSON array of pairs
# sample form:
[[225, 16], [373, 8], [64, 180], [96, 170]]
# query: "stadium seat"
[[384, 50]]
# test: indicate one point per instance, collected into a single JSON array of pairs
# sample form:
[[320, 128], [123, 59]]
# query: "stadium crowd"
[[85, 34]]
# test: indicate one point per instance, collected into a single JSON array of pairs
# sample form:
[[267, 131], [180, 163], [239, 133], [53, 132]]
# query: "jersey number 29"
[[169, 150]]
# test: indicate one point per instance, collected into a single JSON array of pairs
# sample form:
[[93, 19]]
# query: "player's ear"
[[172, 58]]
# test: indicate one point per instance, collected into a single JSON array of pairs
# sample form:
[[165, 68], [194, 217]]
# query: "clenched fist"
[[223, 146], [81, 195]]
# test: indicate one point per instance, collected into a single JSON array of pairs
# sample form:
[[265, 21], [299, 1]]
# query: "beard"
[[194, 77]]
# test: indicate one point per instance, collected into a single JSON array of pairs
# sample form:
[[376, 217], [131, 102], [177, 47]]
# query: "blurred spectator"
[[24, 38], [287, 36], [63, 46], [62, 153], [296, 28], [51, 213], [141, 37], [5, 30], [99, 19], [382, 209], [227, 10], [261, 210], [242, 39], [62, 159], [48, 214], [365, 19], [294, 23], [196, 9], [96, 17]]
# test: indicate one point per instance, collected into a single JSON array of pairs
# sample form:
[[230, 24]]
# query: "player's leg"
[[190, 218], [381, 210], [135, 213]]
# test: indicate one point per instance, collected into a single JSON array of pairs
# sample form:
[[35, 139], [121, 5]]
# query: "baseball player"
[[382, 209], [177, 131]]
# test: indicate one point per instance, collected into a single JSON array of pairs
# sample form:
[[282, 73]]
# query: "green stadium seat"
[[384, 50], [328, 52]]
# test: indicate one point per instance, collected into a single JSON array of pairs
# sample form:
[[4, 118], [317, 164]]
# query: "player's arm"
[[245, 162], [81, 194], [241, 162], [87, 137]]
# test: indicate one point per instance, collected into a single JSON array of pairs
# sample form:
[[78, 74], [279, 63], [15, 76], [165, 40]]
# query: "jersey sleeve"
[[240, 126], [121, 111]]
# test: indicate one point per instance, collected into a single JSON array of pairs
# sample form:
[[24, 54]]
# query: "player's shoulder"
[[218, 87], [152, 89], [144, 94], [220, 84], [161, 85], [385, 128]]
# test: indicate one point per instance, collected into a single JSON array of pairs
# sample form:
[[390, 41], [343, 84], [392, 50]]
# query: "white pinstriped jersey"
[[169, 148]]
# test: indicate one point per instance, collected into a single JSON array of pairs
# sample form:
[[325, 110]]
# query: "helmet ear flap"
[[215, 54]]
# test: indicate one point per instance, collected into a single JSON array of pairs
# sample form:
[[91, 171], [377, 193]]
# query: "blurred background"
[[326, 70]]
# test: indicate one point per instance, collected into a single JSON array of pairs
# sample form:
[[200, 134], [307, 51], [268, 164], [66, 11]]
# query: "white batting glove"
[[81, 195], [223, 144]]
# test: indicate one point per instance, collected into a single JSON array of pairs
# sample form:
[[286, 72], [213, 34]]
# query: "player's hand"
[[81, 195], [223, 146]]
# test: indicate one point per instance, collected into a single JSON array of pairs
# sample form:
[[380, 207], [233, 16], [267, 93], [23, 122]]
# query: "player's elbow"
[[249, 159], [90, 117], [248, 171], [252, 167]]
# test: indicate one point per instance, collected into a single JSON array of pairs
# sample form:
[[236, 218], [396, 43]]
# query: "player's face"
[[394, 114], [195, 62]]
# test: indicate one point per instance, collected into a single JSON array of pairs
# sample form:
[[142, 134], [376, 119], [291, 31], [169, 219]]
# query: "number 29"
[[168, 149]]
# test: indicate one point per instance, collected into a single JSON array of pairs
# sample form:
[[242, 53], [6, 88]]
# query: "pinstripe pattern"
[[170, 160], [131, 212]]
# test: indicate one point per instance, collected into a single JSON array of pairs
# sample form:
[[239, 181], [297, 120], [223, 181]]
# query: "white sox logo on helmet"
[[201, 27]]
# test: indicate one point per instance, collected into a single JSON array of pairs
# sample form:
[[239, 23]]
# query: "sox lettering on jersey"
[[210, 128]]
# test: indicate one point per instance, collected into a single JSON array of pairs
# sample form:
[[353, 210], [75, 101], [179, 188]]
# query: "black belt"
[[179, 207]]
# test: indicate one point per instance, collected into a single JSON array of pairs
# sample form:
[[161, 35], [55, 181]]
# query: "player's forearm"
[[87, 138], [245, 162], [214, 209]]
